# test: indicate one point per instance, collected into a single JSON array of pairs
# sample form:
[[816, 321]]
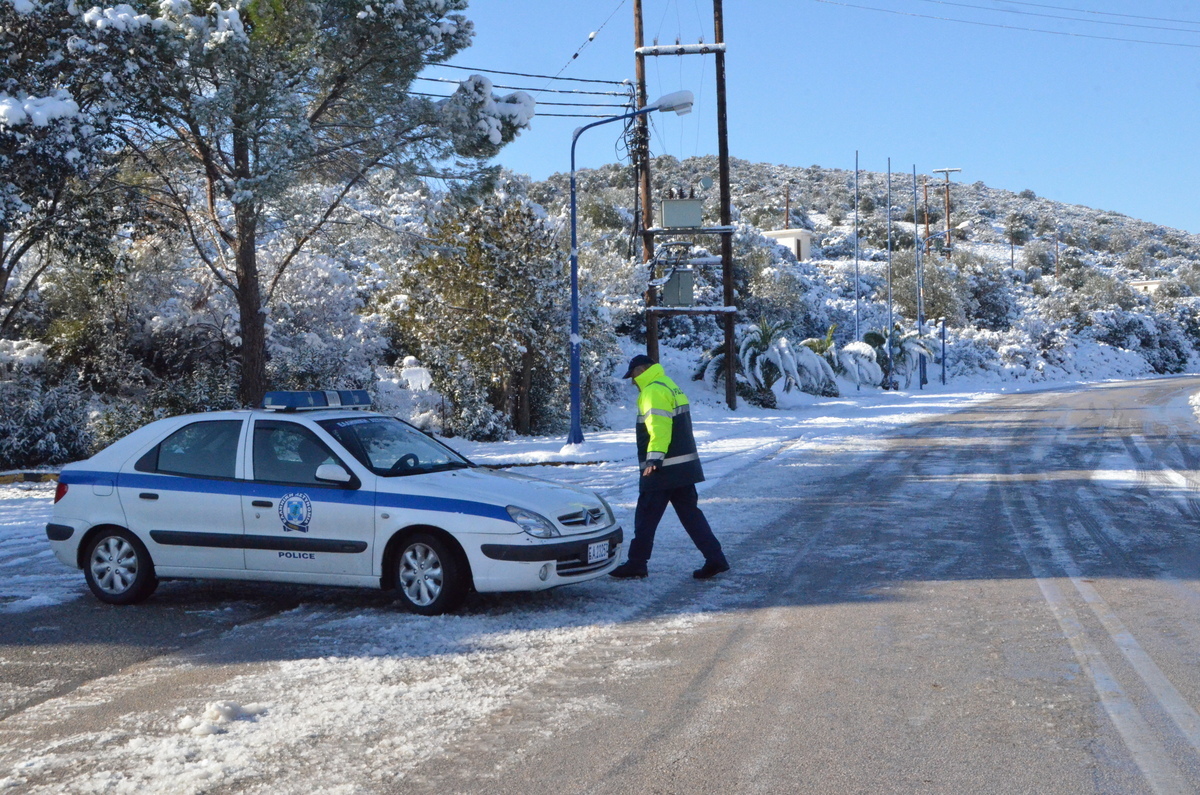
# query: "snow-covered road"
[[866, 554]]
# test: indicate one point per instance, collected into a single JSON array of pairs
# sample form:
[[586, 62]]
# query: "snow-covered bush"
[[859, 364], [1155, 337], [944, 287], [487, 308], [407, 392], [989, 299], [764, 358], [319, 337], [41, 423]]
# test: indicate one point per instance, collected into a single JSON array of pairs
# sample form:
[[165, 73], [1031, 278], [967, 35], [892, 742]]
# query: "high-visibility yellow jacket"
[[664, 433]]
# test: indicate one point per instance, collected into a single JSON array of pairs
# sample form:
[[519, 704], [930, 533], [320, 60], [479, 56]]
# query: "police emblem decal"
[[295, 511]]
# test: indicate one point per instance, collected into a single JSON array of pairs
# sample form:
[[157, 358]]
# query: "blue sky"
[[1108, 124]]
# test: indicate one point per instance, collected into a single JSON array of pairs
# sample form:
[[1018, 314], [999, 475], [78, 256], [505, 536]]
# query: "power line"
[[1057, 16], [540, 102], [523, 74], [1102, 13], [525, 88], [1008, 27], [563, 115], [591, 37]]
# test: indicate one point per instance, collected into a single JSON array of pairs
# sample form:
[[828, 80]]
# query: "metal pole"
[[726, 205], [943, 335], [920, 295], [888, 331], [857, 334], [642, 156], [575, 435]]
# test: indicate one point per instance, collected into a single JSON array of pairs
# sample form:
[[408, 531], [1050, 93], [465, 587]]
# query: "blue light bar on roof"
[[323, 399]]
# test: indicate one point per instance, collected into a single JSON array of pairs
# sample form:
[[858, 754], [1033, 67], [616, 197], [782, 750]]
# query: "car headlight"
[[535, 524], [612, 517]]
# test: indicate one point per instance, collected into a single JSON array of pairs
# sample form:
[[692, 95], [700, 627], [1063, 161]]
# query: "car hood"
[[498, 487]]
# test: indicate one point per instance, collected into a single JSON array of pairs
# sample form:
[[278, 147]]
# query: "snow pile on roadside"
[[216, 715]]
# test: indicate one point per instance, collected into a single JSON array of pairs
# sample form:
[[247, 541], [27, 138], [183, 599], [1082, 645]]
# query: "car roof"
[[122, 448]]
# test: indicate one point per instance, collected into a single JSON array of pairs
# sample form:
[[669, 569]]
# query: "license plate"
[[597, 552]]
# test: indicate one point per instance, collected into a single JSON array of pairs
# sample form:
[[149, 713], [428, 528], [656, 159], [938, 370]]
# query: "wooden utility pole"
[[787, 206], [726, 205], [949, 234], [925, 185], [947, 172], [725, 230], [641, 157]]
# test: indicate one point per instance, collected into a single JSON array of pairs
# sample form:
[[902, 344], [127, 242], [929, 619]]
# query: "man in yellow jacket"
[[670, 470]]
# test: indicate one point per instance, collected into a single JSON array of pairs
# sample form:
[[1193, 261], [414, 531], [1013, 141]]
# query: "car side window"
[[205, 449], [285, 452]]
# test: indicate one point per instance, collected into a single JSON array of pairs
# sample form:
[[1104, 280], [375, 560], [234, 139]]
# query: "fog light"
[[544, 572]]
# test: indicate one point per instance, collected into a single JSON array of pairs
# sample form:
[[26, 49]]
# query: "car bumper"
[[64, 536], [536, 566]]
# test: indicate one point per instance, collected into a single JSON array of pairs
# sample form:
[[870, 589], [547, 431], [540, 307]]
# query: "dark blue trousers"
[[650, 508]]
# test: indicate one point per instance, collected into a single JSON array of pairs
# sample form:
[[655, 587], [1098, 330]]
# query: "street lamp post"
[[922, 378], [681, 103]]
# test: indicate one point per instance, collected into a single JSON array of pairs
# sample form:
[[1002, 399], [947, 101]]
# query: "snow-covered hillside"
[[1032, 290]]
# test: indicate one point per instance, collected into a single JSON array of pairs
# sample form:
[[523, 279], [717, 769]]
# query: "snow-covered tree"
[[66, 76], [271, 114], [487, 310]]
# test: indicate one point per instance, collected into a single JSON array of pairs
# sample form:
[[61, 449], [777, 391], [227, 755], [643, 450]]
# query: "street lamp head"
[[678, 101]]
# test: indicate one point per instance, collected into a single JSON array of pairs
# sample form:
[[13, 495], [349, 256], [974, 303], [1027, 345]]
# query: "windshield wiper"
[[425, 470]]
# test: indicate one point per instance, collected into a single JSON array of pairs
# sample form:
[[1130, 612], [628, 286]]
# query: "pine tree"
[[66, 77], [488, 310], [265, 101]]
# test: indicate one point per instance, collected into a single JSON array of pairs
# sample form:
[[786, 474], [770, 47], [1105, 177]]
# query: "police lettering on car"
[[315, 488]]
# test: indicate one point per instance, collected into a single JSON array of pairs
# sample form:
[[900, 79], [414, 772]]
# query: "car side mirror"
[[333, 473]]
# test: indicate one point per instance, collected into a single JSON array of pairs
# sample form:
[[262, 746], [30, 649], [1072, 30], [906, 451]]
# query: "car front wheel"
[[429, 577], [118, 568]]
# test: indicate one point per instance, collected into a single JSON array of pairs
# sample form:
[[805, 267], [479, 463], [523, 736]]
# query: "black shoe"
[[628, 571], [710, 569]]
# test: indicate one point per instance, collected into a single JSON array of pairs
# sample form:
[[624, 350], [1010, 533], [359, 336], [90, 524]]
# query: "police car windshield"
[[392, 448]]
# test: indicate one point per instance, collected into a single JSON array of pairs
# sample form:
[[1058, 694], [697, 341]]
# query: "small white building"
[[1147, 286], [798, 240]]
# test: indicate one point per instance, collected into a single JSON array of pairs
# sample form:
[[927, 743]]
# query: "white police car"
[[314, 489]]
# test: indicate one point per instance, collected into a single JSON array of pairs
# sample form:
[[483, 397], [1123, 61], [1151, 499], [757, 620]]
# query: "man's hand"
[[649, 470]]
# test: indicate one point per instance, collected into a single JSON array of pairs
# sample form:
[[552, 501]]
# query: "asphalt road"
[[1003, 600]]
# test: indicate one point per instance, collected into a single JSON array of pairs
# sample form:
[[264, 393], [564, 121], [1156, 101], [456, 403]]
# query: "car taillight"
[[60, 491]]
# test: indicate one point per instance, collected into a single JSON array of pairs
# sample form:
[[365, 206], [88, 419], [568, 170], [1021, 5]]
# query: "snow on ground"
[[31, 575], [363, 692]]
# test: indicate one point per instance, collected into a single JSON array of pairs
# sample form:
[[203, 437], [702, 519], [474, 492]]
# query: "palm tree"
[[905, 349], [765, 356]]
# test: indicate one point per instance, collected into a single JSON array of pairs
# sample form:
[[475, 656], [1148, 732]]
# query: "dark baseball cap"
[[641, 360]]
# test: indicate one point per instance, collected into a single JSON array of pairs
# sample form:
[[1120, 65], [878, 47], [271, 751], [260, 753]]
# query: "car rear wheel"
[[429, 576], [118, 568]]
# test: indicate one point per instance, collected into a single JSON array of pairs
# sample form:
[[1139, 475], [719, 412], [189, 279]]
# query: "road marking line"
[[1171, 700], [1148, 753]]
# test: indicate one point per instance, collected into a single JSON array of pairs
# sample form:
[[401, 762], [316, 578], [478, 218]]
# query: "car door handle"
[[261, 503], [148, 495]]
